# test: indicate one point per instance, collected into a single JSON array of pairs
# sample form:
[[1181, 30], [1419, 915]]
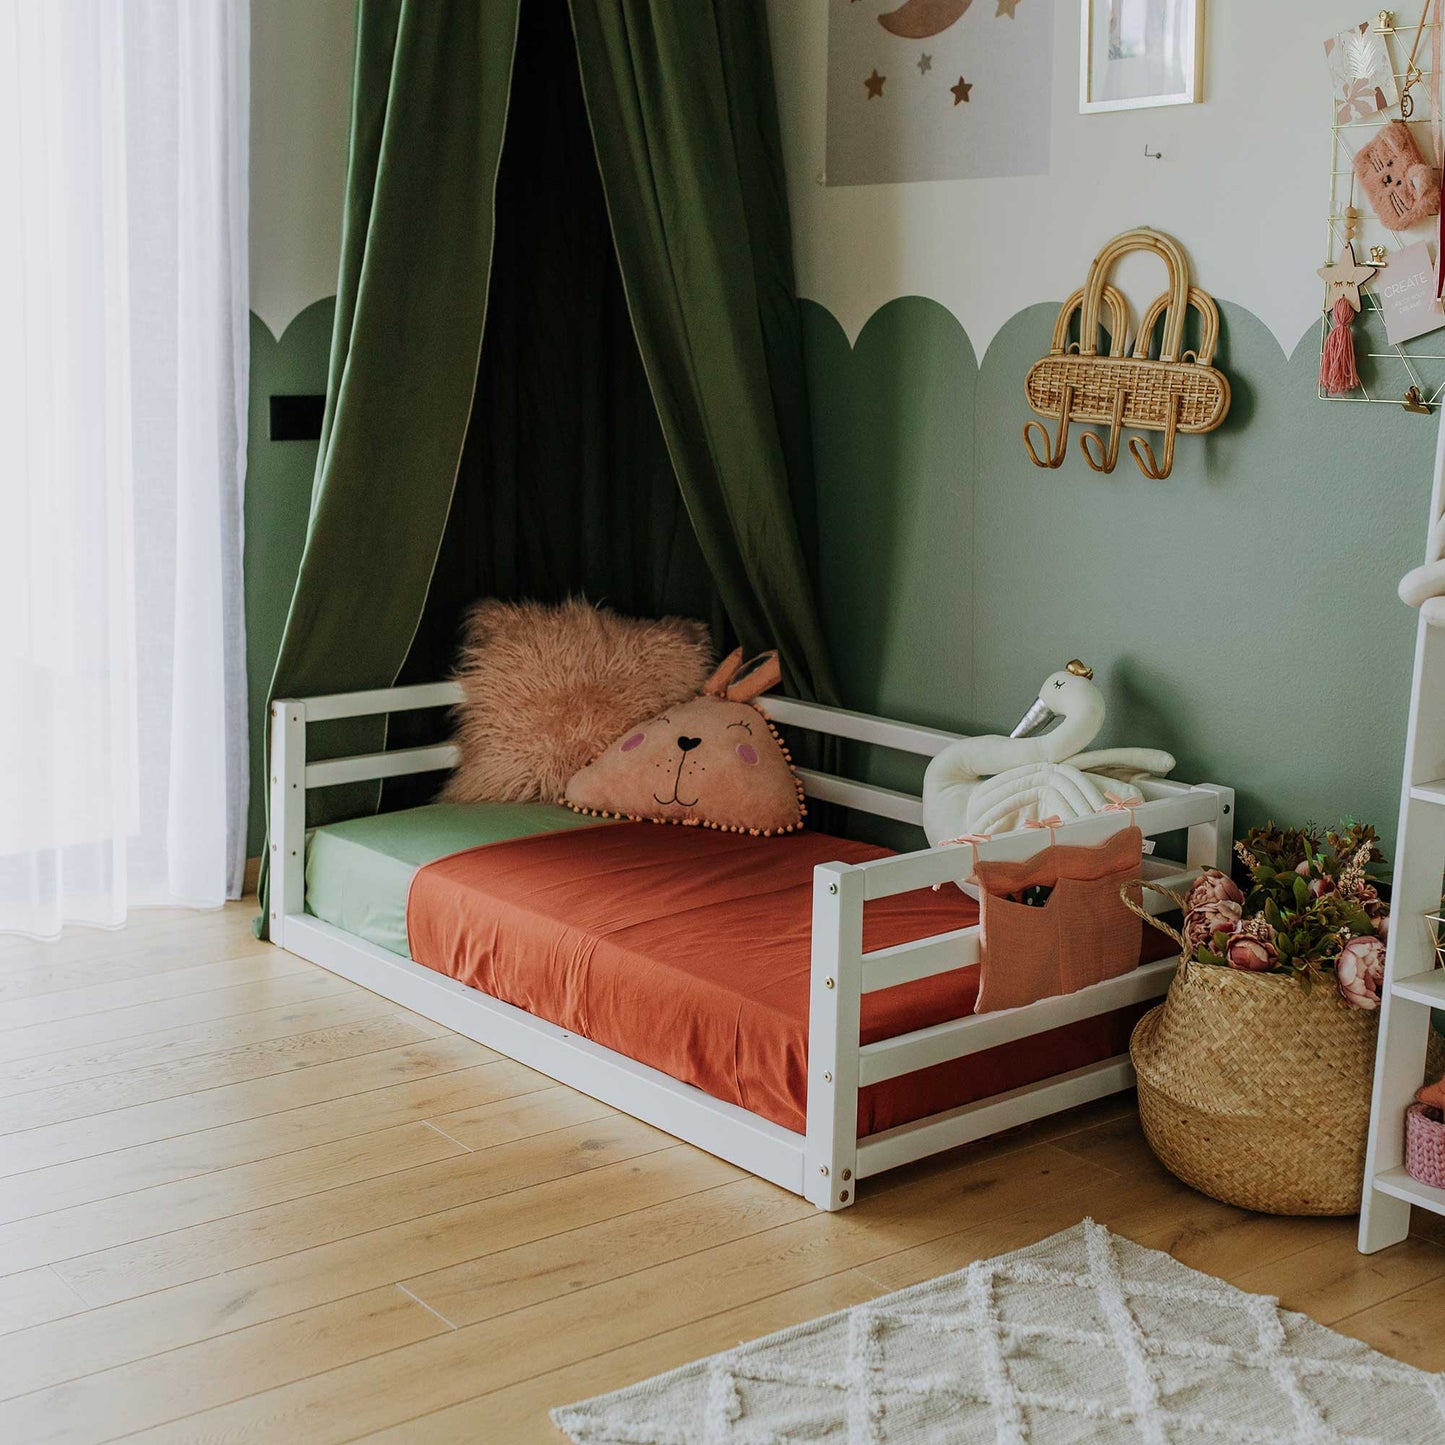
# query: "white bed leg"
[[288, 815], [830, 1155], [1211, 845]]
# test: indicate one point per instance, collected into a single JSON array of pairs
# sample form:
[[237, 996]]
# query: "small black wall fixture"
[[296, 418]]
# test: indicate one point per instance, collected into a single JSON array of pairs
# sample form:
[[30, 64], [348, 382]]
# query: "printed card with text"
[[1406, 291]]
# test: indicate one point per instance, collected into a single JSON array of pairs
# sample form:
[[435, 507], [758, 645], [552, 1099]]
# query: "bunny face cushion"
[[713, 762]]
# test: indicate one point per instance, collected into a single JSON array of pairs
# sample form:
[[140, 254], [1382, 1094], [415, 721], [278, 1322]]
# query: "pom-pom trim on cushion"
[[616, 783]]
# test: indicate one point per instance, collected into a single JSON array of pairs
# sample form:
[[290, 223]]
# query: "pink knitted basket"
[[1425, 1145]]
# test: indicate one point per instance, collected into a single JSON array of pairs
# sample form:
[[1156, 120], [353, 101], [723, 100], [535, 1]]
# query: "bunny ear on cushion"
[[755, 677], [717, 684], [740, 681]]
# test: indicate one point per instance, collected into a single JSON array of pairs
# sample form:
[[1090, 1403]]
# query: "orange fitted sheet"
[[688, 950]]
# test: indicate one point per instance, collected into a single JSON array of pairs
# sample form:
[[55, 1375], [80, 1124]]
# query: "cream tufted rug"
[[1081, 1337]]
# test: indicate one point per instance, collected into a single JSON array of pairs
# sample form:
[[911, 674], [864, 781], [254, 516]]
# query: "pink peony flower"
[[1319, 885], [1360, 969], [1254, 952], [1203, 922], [1212, 886]]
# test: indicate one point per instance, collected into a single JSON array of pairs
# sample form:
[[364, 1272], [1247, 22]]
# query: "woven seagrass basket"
[[1255, 1089]]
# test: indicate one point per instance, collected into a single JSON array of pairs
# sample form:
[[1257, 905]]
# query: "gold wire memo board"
[[1411, 376]]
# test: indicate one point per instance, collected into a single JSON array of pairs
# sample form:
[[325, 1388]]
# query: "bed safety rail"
[[842, 972], [825, 1163]]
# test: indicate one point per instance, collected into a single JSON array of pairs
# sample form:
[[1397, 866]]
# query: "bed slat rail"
[[842, 972], [859, 727], [884, 877], [894, 1147], [382, 699], [942, 952], [921, 1049], [365, 767], [867, 797], [824, 787], [920, 958]]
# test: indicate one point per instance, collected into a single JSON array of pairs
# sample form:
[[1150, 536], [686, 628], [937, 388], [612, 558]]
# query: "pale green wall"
[[278, 498], [301, 54], [1241, 614]]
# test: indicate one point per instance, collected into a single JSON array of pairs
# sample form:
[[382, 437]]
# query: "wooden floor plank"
[[581, 1323], [235, 1103], [170, 953], [504, 1120], [176, 1384], [146, 1018], [153, 988], [1224, 1241], [1409, 1326], [147, 1165], [252, 1215], [89, 1228], [172, 1318], [283, 1229], [503, 1280], [38, 1107], [1332, 1279], [34, 1297], [90, 1063], [1109, 1201], [518, 1414], [152, 932]]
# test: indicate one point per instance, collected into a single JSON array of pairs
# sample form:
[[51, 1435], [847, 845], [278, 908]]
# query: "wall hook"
[[1153, 155]]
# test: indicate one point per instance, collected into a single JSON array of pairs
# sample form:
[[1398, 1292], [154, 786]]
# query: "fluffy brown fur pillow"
[[547, 688]]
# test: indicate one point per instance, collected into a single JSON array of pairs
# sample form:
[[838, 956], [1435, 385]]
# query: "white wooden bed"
[[826, 1163]]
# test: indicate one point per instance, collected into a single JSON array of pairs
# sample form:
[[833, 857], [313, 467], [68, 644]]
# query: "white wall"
[[1243, 182], [300, 101]]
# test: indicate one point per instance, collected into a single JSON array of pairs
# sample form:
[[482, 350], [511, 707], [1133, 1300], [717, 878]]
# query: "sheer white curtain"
[[123, 374]]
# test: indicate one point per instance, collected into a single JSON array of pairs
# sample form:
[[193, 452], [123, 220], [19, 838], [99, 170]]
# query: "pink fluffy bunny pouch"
[[712, 762], [1403, 189]]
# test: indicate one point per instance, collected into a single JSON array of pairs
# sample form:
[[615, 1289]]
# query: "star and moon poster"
[[930, 90]]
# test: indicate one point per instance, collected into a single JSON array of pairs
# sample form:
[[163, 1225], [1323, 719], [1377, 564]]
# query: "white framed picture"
[[1137, 53]]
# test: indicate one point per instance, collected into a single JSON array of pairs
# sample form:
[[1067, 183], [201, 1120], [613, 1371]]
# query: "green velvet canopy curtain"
[[534, 444], [565, 484], [430, 91], [684, 118], [429, 107]]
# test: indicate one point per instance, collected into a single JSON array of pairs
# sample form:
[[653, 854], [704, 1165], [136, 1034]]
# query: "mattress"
[[689, 950], [358, 873]]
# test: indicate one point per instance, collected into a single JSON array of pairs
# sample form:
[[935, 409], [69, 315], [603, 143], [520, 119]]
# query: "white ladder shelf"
[[1413, 983]]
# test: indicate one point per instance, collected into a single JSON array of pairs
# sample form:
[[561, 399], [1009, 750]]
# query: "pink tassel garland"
[[1337, 362]]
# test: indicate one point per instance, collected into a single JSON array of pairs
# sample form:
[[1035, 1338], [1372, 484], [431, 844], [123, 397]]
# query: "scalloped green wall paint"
[[278, 501], [1241, 614]]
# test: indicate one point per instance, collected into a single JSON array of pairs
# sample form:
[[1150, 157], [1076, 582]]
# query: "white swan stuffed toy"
[[992, 784], [1424, 586]]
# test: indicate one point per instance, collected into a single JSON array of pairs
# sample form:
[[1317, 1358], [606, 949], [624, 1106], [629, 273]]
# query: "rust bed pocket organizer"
[[1081, 934]]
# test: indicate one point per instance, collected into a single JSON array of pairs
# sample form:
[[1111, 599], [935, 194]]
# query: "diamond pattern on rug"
[[1082, 1337]]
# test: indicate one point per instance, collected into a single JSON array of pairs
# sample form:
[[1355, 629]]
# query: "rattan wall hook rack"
[[1171, 391]]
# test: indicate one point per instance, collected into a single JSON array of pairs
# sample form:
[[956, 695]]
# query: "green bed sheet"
[[358, 872]]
